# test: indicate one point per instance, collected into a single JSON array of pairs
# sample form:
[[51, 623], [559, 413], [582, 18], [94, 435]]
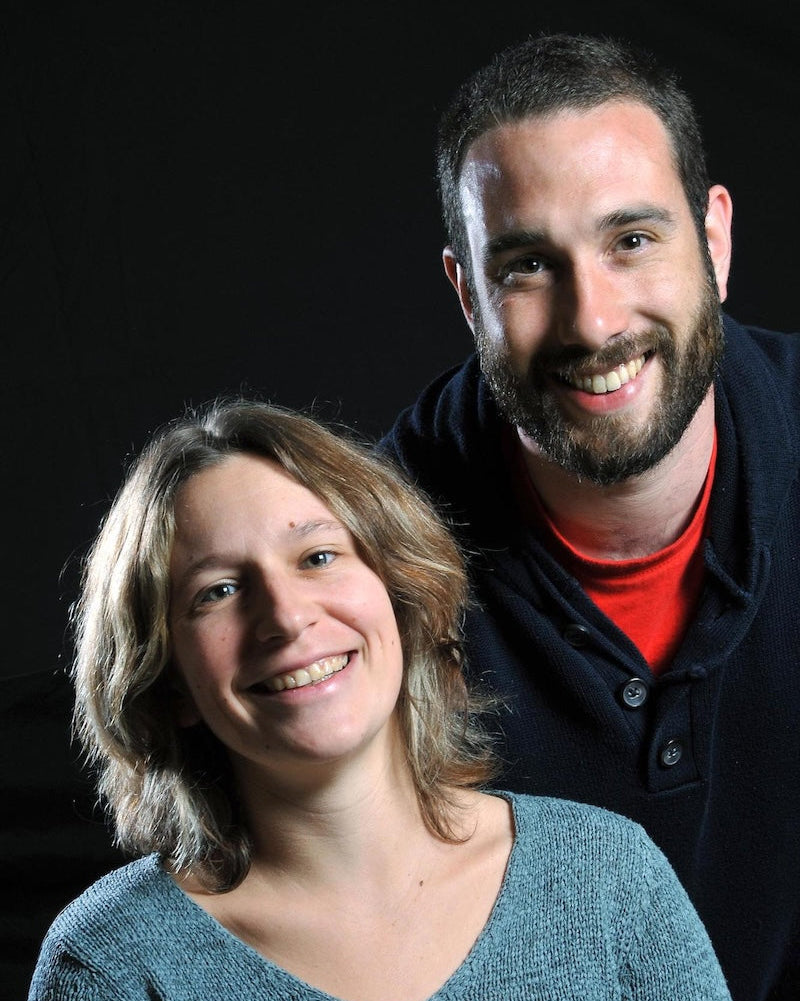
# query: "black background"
[[200, 198]]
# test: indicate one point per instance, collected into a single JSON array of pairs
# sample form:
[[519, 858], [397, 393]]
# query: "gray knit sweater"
[[589, 909]]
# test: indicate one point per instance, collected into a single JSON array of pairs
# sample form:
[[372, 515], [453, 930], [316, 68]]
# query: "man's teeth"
[[610, 381], [303, 676]]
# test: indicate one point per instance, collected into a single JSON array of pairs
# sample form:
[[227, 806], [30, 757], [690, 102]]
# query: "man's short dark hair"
[[550, 73]]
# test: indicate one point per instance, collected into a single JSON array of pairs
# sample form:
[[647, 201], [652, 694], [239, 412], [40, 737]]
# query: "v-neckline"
[[448, 988]]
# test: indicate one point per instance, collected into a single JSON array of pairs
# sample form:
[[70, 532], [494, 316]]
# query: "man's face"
[[595, 310]]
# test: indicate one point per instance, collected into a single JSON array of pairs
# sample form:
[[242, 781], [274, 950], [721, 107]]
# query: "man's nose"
[[594, 306]]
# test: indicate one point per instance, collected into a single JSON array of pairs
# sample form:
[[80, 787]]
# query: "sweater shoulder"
[[122, 914], [439, 424], [106, 932], [552, 810], [581, 831], [779, 351], [131, 888]]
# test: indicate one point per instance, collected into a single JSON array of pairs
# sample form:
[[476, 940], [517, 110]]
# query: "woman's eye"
[[225, 589], [319, 559]]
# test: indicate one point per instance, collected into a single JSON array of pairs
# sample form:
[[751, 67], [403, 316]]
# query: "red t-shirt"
[[651, 599]]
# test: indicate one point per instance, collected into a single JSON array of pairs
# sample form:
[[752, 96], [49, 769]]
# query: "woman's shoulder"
[[589, 852], [571, 825], [130, 885], [124, 914], [549, 808], [112, 909]]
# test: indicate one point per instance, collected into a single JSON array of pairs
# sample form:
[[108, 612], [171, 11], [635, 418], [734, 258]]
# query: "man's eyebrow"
[[634, 215], [515, 240], [518, 239]]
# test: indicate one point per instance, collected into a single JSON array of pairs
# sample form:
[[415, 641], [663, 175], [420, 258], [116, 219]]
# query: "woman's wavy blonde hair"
[[169, 789]]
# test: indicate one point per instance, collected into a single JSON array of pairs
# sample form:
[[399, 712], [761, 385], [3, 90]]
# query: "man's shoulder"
[[759, 379], [440, 410], [778, 349], [447, 434]]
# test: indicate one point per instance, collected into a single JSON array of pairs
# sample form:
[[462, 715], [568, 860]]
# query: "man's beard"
[[607, 449]]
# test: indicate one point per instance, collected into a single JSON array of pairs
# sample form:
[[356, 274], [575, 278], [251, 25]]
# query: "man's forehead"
[[622, 142], [622, 117]]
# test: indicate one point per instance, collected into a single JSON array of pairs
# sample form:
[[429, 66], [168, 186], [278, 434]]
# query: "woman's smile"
[[285, 639], [316, 672]]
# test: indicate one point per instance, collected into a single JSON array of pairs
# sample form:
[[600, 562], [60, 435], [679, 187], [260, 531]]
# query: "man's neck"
[[639, 516]]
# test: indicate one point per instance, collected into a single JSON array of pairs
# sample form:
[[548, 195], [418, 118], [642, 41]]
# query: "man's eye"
[[531, 264], [633, 241], [225, 589], [528, 266], [319, 559]]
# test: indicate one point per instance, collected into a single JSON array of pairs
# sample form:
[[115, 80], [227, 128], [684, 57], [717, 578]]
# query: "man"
[[621, 463]]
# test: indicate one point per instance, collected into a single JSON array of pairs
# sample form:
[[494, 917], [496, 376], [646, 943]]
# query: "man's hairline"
[[550, 114]]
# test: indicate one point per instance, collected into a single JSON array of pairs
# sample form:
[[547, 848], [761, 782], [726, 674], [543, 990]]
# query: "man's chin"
[[609, 469], [601, 466], [609, 450]]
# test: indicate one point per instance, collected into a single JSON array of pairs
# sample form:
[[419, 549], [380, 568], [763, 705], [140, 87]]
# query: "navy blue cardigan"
[[706, 756]]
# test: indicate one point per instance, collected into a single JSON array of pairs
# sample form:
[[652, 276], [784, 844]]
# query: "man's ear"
[[458, 280], [719, 216]]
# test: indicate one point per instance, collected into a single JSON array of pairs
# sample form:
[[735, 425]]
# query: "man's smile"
[[607, 382]]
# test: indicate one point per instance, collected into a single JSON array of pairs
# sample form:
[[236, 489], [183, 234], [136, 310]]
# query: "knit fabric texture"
[[589, 909]]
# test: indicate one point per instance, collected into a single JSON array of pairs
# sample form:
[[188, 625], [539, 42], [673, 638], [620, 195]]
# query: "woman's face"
[[285, 639]]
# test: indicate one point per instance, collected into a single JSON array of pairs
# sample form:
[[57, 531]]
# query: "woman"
[[268, 682]]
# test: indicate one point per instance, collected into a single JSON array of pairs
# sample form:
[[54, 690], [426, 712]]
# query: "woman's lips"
[[302, 676]]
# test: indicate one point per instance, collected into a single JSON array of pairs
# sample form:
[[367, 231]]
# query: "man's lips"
[[599, 383], [300, 677]]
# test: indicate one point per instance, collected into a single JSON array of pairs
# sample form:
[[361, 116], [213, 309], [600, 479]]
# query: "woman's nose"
[[283, 608]]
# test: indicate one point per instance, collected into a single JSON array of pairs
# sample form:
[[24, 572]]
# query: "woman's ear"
[[184, 709]]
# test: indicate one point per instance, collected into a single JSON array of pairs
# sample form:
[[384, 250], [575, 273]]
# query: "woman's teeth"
[[318, 671], [609, 382]]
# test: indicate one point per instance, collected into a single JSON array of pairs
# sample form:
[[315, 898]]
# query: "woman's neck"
[[357, 820]]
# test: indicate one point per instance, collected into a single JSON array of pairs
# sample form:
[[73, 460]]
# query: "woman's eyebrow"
[[305, 528], [215, 560]]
